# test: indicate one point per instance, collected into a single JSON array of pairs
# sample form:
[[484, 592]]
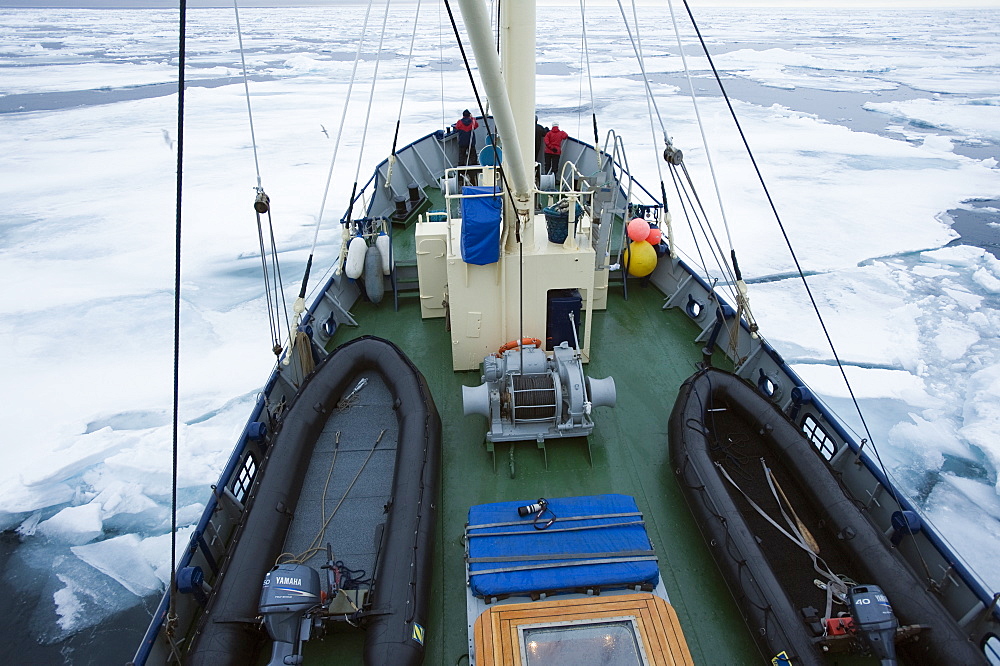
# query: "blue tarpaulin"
[[597, 541], [481, 226]]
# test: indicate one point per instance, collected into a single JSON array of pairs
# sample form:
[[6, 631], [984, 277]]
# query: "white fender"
[[382, 243], [355, 263]]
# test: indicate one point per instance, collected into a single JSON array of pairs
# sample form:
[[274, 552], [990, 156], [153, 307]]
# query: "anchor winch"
[[527, 395]]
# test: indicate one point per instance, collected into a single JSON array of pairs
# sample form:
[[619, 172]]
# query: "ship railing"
[[210, 539], [452, 186], [576, 194]]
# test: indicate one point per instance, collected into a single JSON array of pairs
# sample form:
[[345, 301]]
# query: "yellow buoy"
[[639, 258]]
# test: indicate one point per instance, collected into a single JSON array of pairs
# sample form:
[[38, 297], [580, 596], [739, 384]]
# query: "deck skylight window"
[[610, 641]]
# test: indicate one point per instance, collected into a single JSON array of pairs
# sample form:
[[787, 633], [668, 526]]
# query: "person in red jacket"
[[466, 128], [553, 148]]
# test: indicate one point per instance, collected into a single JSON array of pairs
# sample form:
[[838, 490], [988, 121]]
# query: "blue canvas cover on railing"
[[481, 226], [598, 541]]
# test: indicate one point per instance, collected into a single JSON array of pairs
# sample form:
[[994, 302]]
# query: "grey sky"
[[169, 4]]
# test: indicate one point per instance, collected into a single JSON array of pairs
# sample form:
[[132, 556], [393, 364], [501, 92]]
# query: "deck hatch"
[[614, 641], [503, 633]]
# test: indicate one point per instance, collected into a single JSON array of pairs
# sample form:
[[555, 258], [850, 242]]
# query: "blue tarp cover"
[[481, 226], [559, 546]]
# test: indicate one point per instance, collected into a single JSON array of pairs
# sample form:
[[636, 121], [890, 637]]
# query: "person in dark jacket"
[[540, 133], [466, 128], [553, 148]]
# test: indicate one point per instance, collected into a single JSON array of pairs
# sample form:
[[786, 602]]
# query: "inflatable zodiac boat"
[[339, 522], [811, 573]]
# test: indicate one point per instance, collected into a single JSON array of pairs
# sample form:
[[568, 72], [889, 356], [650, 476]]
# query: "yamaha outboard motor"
[[874, 621], [290, 591]]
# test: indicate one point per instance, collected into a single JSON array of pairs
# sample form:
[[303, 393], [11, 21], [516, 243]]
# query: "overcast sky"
[[167, 4]]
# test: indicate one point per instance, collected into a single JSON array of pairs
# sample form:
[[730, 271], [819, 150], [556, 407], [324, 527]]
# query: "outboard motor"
[[874, 621], [290, 591]]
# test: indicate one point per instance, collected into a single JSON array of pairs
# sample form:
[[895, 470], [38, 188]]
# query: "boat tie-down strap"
[[557, 556], [835, 584], [601, 558], [630, 514], [548, 531], [598, 542]]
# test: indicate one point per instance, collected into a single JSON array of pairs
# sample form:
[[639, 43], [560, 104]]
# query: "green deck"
[[649, 352]]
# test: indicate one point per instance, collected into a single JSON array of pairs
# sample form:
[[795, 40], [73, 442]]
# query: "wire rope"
[[642, 69], [406, 78], [276, 267], [718, 254], [181, 51], [444, 118], [275, 340], [496, 26], [583, 70], [701, 125], [368, 111], [650, 100], [684, 203], [708, 231], [300, 300], [246, 87], [274, 318], [482, 110], [636, 42], [590, 77]]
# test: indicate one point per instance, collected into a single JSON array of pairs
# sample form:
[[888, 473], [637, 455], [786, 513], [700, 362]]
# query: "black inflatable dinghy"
[[340, 520], [811, 573]]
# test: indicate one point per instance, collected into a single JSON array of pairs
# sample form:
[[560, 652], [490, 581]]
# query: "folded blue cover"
[[481, 226], [572, 553]]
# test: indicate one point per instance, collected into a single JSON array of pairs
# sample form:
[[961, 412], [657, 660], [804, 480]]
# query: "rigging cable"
[[172, 607], [690, 193], [650, 99], [735, 277], [402, 96], [685, 200], [300, 301], [701, 126], [590, 80], [675, 158], [732, 274], [262, 204], [368, 114], [444, 118], [642, 68], [675, 154], [798, 266], [246, 87], [482, 112], [498, 24]]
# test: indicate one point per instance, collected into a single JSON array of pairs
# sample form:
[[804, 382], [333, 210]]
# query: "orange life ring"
[[514, 344]]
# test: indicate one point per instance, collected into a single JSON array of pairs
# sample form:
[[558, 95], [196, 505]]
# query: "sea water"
[[876, 133]]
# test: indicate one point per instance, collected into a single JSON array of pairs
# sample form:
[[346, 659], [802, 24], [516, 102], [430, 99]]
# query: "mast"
[[517, 53], [508, 298], [512, 80]]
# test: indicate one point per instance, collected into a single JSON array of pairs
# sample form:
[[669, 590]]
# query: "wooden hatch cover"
[[498, 631]]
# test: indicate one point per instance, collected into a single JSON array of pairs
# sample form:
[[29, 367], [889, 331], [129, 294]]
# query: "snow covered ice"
[[86, 257]]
